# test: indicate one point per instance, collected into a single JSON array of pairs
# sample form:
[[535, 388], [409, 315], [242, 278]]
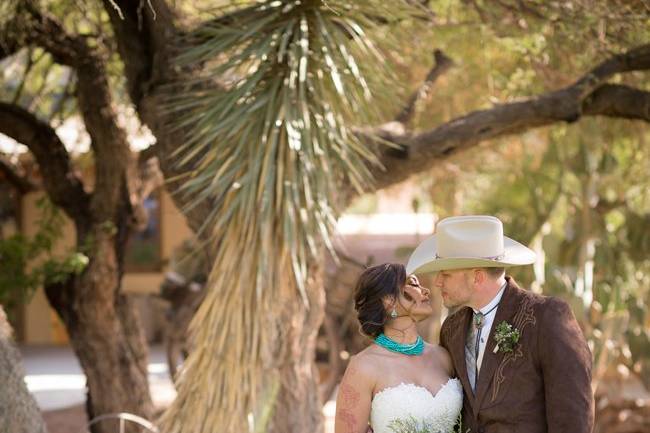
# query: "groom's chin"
[[448, 304]]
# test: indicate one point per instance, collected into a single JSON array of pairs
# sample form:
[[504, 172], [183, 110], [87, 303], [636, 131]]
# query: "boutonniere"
[[506, 336]]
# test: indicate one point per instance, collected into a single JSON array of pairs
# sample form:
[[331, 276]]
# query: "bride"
[[400, 383]]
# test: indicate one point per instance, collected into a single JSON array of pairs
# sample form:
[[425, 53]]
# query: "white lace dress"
[[409, 403]]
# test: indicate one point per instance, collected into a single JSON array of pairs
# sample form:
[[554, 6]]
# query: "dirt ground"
[[74, 420], [68, 420]]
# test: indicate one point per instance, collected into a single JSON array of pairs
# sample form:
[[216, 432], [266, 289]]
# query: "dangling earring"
[[393, 313]]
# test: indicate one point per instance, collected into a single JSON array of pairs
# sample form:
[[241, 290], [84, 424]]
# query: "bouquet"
[[412, 425]]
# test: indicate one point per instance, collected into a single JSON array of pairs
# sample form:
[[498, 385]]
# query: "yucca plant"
[[271, 149]]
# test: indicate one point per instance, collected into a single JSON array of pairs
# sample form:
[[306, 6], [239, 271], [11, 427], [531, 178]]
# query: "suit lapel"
[[458, 351], [506, 310]]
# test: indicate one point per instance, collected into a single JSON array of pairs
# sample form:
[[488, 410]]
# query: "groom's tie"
[[479, 321], [472, 348]]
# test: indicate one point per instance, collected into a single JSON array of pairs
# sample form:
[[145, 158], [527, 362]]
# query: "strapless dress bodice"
[[409, 403]]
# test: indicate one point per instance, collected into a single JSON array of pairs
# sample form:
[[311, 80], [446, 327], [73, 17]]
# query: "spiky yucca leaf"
[[271, 150]]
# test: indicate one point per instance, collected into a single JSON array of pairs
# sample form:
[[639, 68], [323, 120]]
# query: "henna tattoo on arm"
[[350, 395], [348, 405], [348, 420]]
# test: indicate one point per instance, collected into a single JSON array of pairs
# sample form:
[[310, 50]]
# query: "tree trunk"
[[18, 410], [105, 334], [298, 408]]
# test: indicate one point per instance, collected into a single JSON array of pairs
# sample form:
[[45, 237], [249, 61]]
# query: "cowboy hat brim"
[[425, 259]]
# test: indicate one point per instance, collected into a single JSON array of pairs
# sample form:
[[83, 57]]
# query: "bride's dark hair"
[[373, 285]]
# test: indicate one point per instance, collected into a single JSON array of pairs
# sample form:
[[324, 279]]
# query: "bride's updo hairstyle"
[[373, 285]]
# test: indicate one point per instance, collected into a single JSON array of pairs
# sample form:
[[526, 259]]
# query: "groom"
[[521, 357]]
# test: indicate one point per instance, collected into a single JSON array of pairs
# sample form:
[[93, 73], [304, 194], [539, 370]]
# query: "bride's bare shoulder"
[[366, 361], [361, 372], [366, 355]]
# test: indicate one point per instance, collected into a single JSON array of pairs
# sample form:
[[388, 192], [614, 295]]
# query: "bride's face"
[[415, 300]]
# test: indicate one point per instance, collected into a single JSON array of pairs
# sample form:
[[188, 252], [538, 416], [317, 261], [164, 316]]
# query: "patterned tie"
[[472, 347]]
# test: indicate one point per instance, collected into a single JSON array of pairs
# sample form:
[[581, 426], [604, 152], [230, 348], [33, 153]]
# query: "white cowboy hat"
[[468, 242]]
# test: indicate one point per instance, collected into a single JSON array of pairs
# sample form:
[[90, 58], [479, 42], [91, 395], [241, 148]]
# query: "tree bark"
[[298, 407], [61, 182], [104, 332], [19, 412], [103, 326]]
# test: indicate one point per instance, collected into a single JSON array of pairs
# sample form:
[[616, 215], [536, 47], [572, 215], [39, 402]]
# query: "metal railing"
[[123, 418]]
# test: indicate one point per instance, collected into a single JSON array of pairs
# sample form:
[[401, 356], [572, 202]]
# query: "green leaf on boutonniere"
[[506, 337]]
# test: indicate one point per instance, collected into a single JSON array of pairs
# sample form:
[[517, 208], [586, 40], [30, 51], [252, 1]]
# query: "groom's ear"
[[479, 276]]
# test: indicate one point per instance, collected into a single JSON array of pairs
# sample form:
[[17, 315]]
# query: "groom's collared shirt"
[[488, 320]]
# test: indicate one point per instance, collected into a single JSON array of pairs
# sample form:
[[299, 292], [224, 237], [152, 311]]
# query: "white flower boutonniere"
[[506, 336]]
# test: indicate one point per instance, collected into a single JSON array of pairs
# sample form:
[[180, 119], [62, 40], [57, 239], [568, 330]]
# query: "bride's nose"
[[425, 291]]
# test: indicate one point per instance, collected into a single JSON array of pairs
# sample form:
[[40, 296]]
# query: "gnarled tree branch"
[[587, 96], [142, 55], [146, 48], [14, 176], [63, 185], [143, 43], [108, 140], [617, 100], [442, 63], [636, 59]]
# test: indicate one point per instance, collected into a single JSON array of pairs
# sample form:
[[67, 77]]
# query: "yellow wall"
[[42, 325]]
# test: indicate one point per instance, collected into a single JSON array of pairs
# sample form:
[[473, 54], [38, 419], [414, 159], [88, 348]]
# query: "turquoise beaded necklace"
[[407, 349]]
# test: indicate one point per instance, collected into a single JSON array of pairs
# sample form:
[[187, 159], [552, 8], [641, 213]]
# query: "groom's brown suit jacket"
[[543, 385]]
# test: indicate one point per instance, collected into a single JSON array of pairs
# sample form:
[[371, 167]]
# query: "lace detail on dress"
[[409, 401]]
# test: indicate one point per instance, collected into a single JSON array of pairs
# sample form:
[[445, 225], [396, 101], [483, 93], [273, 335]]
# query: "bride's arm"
[[354, 398]]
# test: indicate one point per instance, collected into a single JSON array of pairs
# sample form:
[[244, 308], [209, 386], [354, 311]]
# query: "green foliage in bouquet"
[[408, 425], [411, 425]]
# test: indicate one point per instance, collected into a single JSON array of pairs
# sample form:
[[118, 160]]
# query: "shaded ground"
[[68, 420], [73, 419], [57, 382]]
